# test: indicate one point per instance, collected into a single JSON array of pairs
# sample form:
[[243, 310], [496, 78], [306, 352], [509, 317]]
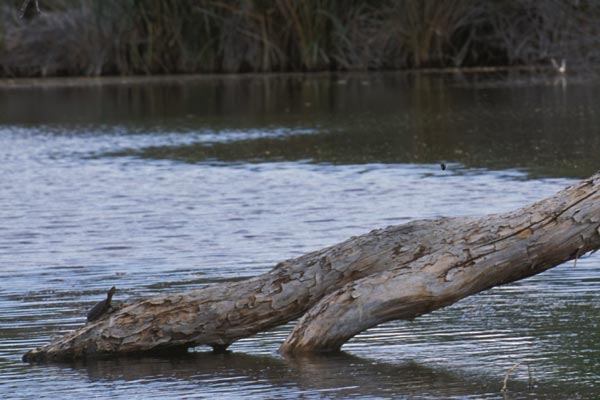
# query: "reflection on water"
[[338, 376], [93, 193], [495, 121]]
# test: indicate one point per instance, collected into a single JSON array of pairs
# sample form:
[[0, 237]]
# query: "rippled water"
[[169, 185]]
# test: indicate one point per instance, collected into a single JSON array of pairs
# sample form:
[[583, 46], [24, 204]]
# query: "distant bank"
[[142, 37]]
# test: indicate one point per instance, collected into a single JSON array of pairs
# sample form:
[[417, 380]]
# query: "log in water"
[[399, 272]]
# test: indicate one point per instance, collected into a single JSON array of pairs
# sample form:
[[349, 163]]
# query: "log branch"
[[393, 273], [221, 314], [487, 252]]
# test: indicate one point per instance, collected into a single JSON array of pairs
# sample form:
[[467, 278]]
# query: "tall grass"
[[96, 37]]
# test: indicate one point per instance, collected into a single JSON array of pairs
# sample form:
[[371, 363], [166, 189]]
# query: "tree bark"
[[399, 272]]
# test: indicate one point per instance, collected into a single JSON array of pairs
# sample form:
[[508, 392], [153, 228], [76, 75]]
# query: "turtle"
[[101, 307]]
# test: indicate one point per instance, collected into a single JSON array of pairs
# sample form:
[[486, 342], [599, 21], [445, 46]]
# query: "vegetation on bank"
[[100, 37]]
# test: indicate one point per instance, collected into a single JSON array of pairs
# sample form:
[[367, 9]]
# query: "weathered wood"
[[393, 273], [220, 314], [484, 253]]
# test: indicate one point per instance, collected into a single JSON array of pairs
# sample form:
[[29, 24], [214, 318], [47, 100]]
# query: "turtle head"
[[111, 292]]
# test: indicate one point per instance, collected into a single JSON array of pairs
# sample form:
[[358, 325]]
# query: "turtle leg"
[[112, 308]]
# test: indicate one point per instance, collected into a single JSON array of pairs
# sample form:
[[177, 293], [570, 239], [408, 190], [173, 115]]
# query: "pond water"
[[162, 185]]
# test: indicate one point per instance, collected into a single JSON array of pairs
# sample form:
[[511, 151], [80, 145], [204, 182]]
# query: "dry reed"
[[99, 37]]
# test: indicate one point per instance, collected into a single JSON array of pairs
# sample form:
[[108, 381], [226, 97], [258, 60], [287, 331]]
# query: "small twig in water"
[[576, 257], [504, 387]]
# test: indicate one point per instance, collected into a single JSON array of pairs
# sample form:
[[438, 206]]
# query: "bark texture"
[[399, 272]]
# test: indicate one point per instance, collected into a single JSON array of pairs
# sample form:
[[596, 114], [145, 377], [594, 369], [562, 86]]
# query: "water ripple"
[[74, 223]]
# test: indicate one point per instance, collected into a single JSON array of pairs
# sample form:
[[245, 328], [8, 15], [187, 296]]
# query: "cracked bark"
[[399, 272]]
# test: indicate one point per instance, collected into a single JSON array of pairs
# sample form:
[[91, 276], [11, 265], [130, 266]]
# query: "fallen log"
[[399, 272]]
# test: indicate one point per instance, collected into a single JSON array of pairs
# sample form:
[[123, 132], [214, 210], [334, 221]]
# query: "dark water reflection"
[[338, 376], [94, 193], [537, 123]]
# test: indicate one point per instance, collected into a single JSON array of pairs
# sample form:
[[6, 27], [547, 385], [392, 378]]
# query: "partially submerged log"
[[399, 272]]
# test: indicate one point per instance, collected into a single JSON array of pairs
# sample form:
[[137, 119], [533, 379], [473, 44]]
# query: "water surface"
[[164, 186]]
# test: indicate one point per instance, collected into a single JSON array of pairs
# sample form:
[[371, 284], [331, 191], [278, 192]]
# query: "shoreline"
[[86, 81]]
